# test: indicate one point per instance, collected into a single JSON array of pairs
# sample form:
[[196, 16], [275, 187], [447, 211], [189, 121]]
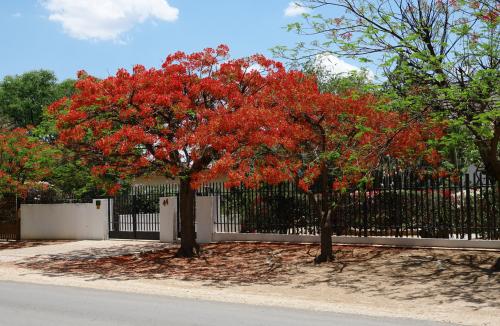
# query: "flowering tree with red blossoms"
[[24, 161], [324, 140], [177, 121], [203, 116]]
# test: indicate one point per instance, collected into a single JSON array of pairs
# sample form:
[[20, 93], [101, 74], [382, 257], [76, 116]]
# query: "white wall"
[[65, 221]]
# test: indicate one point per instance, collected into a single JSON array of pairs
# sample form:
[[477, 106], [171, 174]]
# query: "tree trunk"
[[488, 150], [187, 197], [491, 161], [324, 210], [326, 253]]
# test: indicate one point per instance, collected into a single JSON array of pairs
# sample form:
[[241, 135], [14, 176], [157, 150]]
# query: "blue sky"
[[103, 35]]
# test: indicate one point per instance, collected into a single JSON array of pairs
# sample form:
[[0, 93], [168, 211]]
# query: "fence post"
[[134, 215], [168, 218], [468, 206], [18, 219], [205, 218], [365, 215], [496, 207], [111, 202]]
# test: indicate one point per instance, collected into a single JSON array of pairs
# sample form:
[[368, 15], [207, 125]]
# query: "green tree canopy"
[[344, 84], [23, 97], [437, 56]]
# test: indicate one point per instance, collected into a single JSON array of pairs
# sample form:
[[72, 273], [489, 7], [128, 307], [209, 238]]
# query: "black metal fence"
[[135, 213], [399, 204], [405, 205], [282, 209]]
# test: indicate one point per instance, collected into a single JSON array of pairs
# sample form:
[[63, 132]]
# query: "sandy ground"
[[454, 286], [7, 245], [19, 251]]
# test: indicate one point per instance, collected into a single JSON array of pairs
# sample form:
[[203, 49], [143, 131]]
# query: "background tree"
[[345, 84], [23, 97], [439, 56], [5, 122]]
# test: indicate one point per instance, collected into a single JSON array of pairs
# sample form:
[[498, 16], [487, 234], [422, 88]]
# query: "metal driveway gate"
[[136, 214]]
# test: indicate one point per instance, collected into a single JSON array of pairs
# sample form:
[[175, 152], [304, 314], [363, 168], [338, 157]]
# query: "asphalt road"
[[23, 304]]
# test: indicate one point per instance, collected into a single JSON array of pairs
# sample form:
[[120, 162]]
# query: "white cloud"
[[106, 19], [295, 9], [335, 66]]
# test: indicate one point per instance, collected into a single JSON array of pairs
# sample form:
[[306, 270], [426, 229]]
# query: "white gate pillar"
[[168, 219], [205, 208]]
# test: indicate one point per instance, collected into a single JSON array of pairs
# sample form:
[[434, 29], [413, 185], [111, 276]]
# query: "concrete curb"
[[397, 242]]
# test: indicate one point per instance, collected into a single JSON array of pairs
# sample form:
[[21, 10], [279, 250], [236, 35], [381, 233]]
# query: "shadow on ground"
[[396, 273], [27, 244], [231, 263]]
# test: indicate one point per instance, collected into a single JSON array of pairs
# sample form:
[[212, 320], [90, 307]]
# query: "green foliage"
[[23, 97], [23, 101], [438, 57], [70, 176], [345, 84]]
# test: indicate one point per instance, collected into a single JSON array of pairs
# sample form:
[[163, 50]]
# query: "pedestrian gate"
[[10, 228]]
